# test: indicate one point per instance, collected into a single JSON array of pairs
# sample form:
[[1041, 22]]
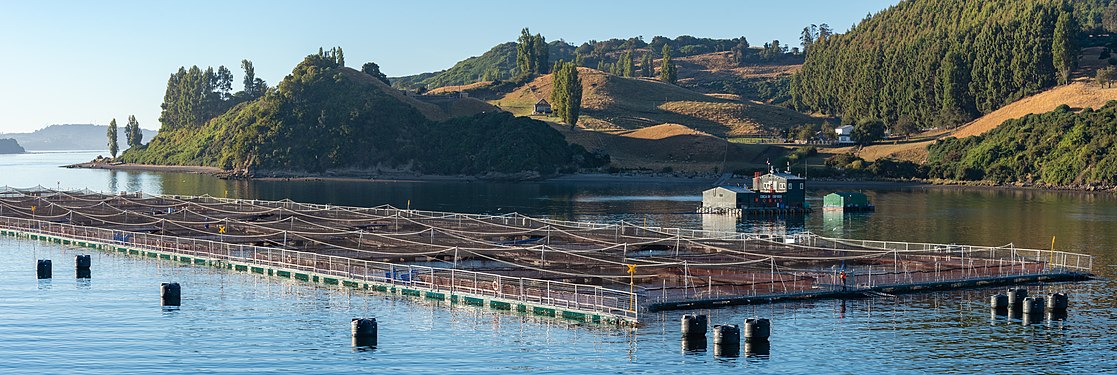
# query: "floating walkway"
[[607, 273]]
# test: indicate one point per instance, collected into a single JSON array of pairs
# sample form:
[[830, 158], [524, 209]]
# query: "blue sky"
[[91, 61]]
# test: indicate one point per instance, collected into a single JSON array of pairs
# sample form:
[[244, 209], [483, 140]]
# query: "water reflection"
[[720, 223], [761, 349], [694, 345], [112, 182], [727, 350]]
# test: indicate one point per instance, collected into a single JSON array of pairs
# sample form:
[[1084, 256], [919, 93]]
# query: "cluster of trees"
[[867, 131], [814, 33], [324, 116], [813, 132], [1056, 148], [566, 93], [625, 66], [194, 96], [532, 54], [938, 62], [593, 51], [668, 71], [1105, 76], [373, 70], [849, 165], [133, 135]]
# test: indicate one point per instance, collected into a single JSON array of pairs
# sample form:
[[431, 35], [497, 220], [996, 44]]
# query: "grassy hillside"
[[499, 63], [326, 117], [615, 103], [719, 73], [496, 63], [673, 148]]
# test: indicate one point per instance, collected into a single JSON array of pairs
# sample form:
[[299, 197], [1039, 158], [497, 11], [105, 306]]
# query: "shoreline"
[[587, 178], [129, 167]]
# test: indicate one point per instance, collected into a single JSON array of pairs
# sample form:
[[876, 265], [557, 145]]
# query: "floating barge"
[[771, 194], [608, 273], [847, 201]]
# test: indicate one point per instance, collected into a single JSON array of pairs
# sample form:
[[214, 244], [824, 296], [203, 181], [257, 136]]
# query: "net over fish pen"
[[592, 271]]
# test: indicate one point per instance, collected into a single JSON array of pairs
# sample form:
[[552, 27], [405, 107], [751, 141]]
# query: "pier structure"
[[607, 273]]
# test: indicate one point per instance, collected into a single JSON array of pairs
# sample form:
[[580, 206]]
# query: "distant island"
[[10, 146], [68, 137]]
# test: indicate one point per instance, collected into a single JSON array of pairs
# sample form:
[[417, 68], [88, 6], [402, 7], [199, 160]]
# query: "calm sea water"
[[235, 322]]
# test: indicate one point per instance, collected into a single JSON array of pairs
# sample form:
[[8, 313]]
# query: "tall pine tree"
[[532, 55], [626, 64], [1062, 46], [128, 136], [113, 147], [566, 94], [668, 72], [646, 68], [541, 55], [133, 133], [525, 53]]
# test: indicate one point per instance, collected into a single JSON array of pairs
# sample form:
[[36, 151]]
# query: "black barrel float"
[[999, 304], [43, 269], [1032, 310], [81, 266], [83, 261], [1057, 302], [364, 331], [757, 329], [694, 325], [1016, 298], [170, 294]]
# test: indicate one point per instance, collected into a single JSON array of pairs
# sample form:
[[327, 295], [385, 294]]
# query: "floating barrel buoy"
[[170, 294], [727, 340], [364, 332], [727, 334], [81, 265], [43, 269], [1057, 302], [83, 261], [1016, 298], [694, 326], [999, 304], [1032, 310], [757, 329]]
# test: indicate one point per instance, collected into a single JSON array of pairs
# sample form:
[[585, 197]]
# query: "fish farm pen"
[[607, 273]]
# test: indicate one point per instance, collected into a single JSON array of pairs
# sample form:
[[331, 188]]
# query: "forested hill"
[[1058, 148], [923, 63], [324, 116], [499, 63]]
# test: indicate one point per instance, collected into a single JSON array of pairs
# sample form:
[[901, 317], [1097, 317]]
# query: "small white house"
[[845, 134]]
